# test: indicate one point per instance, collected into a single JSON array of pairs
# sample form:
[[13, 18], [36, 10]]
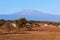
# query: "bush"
[[2, 22]]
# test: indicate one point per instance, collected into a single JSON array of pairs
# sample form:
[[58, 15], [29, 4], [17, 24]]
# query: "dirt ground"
[[32, 35]]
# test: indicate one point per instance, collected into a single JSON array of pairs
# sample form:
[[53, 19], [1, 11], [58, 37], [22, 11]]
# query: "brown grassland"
[[31, 31], [32, 35]]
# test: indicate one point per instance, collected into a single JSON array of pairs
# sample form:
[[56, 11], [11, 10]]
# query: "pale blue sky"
[[46, 6]]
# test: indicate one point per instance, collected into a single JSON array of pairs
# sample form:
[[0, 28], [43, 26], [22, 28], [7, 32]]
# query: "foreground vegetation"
[[16, 26]]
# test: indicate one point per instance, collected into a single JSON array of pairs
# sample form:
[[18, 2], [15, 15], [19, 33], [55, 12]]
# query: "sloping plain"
[[42, 33], [32, 35]]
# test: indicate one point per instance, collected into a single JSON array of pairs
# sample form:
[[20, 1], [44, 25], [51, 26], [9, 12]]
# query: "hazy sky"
[[47, 6]]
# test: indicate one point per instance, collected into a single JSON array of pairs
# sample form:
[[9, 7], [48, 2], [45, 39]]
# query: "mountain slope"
[[31, 15]]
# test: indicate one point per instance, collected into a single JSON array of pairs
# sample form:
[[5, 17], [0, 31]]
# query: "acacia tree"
[[21, 22]]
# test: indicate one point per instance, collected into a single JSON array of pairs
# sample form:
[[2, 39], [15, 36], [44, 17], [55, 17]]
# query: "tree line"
[[22, 21]]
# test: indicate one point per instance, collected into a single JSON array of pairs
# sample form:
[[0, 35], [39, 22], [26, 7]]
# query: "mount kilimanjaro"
[[31, 15]]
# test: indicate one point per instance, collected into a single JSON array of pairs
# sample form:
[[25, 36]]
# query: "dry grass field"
[[32, 35]]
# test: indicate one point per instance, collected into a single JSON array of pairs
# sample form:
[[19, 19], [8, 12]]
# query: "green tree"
[[21, 22]]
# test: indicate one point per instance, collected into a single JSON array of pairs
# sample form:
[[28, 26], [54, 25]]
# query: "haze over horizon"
[[46, 6]]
